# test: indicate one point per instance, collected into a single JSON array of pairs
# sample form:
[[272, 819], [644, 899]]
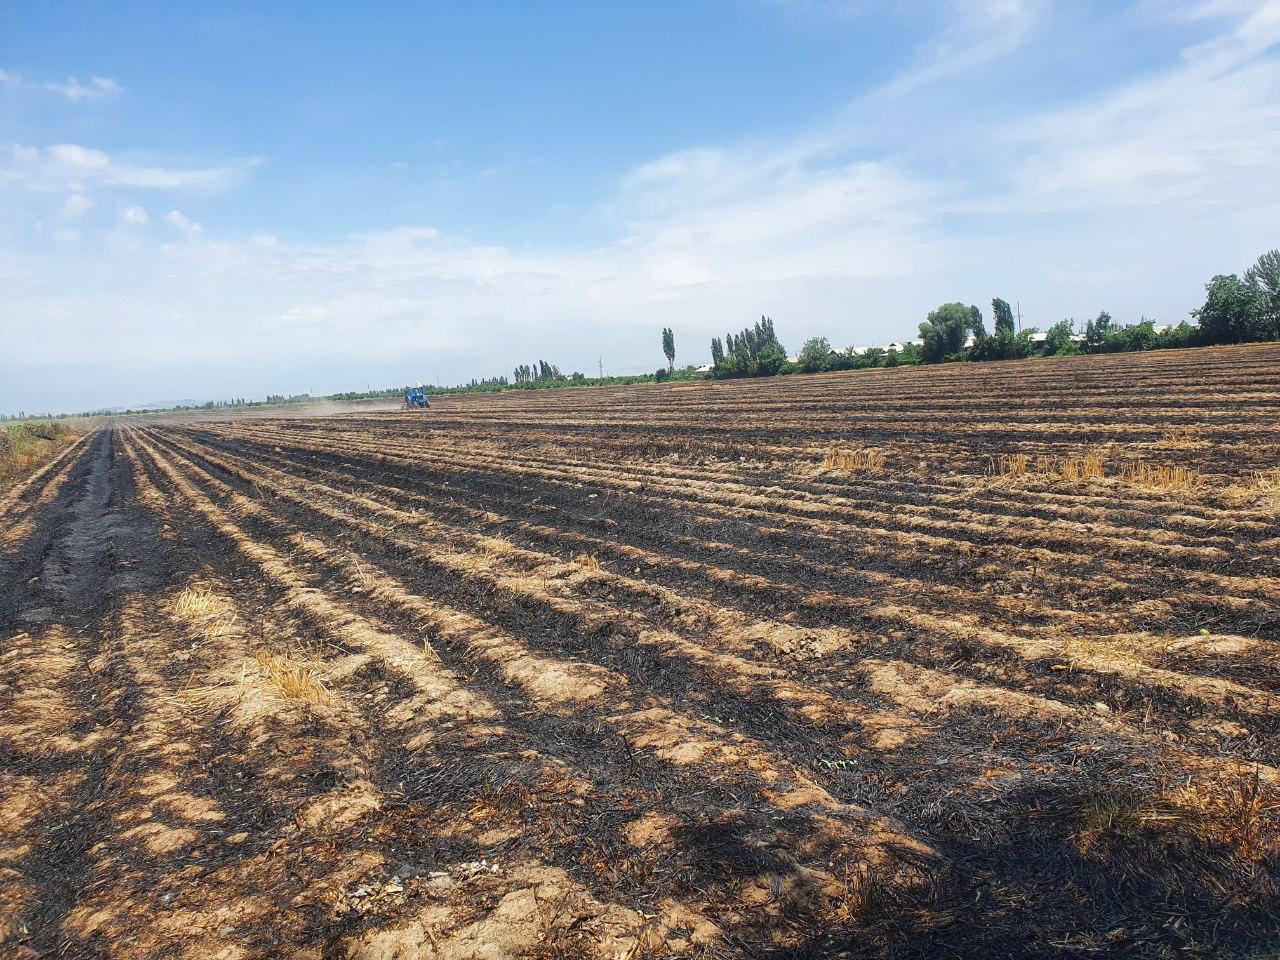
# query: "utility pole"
[[600, 363], [1019, 303]]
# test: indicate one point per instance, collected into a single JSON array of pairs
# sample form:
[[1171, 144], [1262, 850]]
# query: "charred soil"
[[971, 661]]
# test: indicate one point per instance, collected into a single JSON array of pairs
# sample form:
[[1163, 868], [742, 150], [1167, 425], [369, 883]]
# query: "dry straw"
[[1088, 466], [1159, 476], [196, 603], [1011, 466], [293, 678], [1264, 481], [867, 458], [1180, 438], [1092, 465]]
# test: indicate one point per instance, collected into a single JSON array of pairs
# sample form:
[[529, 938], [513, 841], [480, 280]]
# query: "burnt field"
[[964, 661]]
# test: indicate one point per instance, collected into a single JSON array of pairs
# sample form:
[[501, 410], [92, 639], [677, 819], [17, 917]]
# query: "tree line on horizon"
[[1237, 309]]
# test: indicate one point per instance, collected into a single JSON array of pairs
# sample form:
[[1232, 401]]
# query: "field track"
[[844, 665]]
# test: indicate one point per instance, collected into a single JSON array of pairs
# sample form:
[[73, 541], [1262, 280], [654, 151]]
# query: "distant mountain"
[[152, 405], [166, 404]]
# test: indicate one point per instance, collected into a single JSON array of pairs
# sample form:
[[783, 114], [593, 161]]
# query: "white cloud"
[[135, 216], [76, 205], [78, 158], [181, 222], [98, 88], [303, 316], [64, 166], [67, 235], [165, 178]]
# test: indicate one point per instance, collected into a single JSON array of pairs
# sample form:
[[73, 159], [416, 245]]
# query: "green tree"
[[990, 348], [944, 331], [1183, 335], [814, 355], [717, 352], [975, 323], [1021, 345], [1057, 339], [735, 364], [871, 357], [1002, 317], [753, 352], [669, 348], [770, 359], [1138, 336], [1264, 276], [1234, 310], [1097, 332]]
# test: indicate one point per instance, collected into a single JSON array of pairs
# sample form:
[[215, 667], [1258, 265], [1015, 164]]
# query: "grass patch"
[[26, 444]]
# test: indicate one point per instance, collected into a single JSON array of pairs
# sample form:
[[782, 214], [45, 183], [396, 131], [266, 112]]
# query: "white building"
[[1042, 336]]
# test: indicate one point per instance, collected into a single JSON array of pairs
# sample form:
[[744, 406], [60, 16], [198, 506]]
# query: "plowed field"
[[967, 661]]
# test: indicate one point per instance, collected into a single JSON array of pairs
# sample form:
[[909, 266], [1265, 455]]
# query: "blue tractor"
[[415, 398]]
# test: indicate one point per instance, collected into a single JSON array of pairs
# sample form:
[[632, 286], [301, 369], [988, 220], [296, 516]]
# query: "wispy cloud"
[[63, 166], [98, 88], [980, 32], [1206, 128], [188, 178]]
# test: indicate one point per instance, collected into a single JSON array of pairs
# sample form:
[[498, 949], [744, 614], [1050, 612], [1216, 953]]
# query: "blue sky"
[[206, 201]]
